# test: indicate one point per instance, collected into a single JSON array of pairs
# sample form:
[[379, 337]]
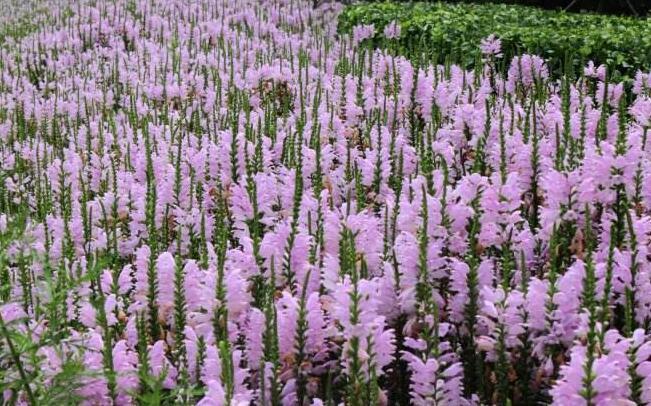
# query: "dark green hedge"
[[623, 7], [454, 31]]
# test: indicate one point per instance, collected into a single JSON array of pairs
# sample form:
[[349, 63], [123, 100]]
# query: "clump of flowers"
[[227, 203]]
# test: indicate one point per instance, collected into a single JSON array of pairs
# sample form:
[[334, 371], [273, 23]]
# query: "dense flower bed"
[[224, 202]]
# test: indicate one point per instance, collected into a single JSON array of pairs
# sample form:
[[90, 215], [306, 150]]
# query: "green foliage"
[[620, 7], [452, 33]]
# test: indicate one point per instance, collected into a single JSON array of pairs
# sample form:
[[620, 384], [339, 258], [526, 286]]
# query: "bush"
[[627, 7], [453, 32]]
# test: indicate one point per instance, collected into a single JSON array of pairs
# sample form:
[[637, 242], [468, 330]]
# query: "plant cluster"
[[453, 31], [226, 203], [636, 8]]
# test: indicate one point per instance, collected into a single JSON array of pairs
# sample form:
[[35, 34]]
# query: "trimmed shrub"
[[453, 32], [625, 7]]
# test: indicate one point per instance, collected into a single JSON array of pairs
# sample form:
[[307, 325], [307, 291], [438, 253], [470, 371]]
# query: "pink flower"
[[597, 72], [392, 30], [160, 367], [362, 32], [491, 46], [215, 395], [125, 363]]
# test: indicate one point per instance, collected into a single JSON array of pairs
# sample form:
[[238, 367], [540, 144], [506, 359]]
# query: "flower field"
[[222, 202]]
